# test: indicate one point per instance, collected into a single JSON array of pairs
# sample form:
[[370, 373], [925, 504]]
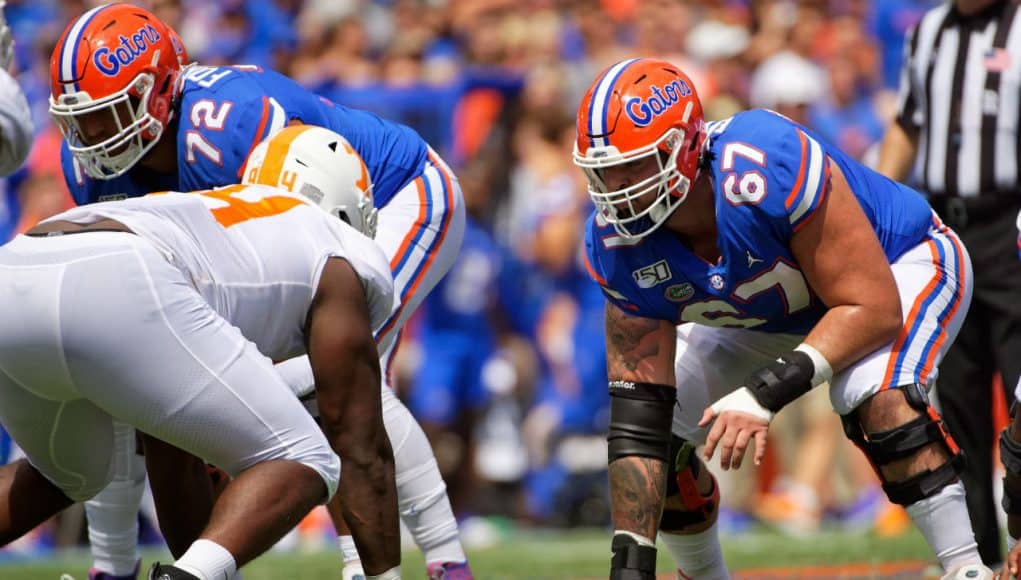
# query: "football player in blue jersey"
[[745, 262], [137, 119]]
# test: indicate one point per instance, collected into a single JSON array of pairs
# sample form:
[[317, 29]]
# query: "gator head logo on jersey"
[[113, 74], [637, 110]]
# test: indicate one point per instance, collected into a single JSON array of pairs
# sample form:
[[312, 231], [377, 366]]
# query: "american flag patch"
[[996, 60]]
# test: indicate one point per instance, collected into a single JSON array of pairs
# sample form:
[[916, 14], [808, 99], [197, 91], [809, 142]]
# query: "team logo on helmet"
[[643, 111], [109, 62]]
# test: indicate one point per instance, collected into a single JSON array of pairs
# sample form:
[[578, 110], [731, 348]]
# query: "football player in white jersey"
[[290, 159], [165, 313], [15, 118], [192, 127]]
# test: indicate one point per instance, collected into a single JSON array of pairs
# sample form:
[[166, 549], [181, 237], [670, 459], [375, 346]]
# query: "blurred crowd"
[[504, 364]]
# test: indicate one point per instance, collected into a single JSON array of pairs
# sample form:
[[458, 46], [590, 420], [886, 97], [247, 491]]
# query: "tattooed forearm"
[[637, 488], [638, 348]]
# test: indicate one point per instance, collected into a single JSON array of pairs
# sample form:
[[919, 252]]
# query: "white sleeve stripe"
[[277, 118], [813, 181]]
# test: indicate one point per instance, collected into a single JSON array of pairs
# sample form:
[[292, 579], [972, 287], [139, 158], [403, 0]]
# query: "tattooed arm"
[[638, 350]]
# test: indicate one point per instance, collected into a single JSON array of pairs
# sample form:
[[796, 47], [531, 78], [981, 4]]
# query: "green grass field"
[[549, 554]]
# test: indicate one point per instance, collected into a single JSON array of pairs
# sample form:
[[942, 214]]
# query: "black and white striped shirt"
[[961, 88]]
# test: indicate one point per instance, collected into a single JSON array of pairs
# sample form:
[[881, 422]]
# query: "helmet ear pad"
[[161, 99]]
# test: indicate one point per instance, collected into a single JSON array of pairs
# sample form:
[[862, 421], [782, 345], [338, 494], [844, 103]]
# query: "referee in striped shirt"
[[957, 124]]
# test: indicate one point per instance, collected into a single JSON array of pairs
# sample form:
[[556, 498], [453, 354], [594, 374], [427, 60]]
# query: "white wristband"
[[744, 401], [391, 574], [823, 370], [1011, 542]]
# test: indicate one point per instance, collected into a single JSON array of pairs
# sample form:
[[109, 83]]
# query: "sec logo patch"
[[716, 281]]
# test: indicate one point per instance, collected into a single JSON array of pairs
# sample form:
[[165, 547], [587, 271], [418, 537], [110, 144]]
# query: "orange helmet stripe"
[[276, 154]]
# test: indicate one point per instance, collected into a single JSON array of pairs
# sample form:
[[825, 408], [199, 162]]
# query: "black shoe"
[[168, 572]]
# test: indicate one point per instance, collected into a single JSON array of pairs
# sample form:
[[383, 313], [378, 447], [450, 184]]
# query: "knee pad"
[[904, 441], [684, 471], [640, 420]]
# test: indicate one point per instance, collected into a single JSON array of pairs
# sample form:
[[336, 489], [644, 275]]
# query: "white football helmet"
[[320, 165]]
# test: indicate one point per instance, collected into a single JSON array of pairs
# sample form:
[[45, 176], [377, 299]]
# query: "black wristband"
[[782, 381]]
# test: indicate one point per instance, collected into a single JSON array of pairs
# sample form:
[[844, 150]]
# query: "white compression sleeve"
[[297, 373], [113, 513]]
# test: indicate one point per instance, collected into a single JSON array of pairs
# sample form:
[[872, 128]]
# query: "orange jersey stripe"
[[822, 199], [912, 316], [422, 219], [957, 299], [801, 172], [258, 131], [410, 290], [443, 228], [592, 272]]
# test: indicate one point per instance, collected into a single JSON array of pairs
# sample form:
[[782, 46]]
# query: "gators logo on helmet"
[[112, 80], [639, 109]]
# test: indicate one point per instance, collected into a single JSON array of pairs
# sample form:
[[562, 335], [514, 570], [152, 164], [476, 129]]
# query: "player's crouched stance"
[[164, 312], [781, 264]]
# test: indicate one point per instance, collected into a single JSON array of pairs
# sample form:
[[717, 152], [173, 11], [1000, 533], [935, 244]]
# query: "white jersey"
[[254, 253], [15, 125]]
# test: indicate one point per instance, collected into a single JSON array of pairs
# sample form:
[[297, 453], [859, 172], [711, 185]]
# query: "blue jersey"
[[770, 176], [223, 112], [462, 302]]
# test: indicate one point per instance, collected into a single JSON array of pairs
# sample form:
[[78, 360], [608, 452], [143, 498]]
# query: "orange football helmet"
[[635, 109], [113, 77], [178, 44]]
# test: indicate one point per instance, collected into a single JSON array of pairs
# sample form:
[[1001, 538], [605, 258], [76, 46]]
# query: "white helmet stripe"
[[600, 100], [69, 50]]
